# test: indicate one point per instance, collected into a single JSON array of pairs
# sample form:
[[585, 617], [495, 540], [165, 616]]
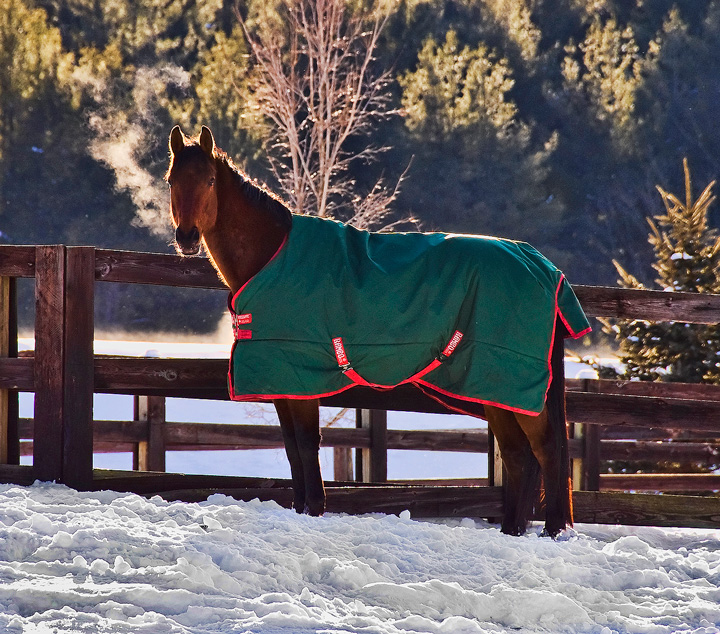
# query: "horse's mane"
[[255, 191]]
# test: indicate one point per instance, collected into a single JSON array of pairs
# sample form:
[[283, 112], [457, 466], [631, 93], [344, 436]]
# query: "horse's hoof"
[[515, 531], [551, 533], [314, 510]]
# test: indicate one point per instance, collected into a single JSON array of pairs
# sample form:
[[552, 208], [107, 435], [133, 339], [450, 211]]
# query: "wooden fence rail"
[[611, 420]]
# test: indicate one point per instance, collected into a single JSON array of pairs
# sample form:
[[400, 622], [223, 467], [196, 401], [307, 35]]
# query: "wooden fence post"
[[371, 464], [342, 464], [577, 431], [496, 473], [591, 462], [79, 367], [149, 455], [9, 440], [49, 362], [13, 430], [64, 364]]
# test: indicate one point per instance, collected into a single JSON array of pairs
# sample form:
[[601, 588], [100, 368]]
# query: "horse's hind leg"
[[550, 451], [523, 471], [300, 423]]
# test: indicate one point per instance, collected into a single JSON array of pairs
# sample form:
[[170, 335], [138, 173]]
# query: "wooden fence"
[[610, 420]]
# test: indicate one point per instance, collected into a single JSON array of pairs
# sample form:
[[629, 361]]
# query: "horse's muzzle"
[[187, 243]]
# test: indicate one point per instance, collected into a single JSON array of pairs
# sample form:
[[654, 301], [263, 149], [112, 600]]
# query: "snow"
[[115, 562]]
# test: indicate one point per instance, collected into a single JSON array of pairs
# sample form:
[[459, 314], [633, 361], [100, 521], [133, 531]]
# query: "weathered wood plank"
[[49, 362], [155, 268], [657, 451], [693, 391], [421, 501], [17, 474], [178, 434], [653, 433], [17, 374], [638, 509], [643, 411], [254, 436], [660, 482], [17, 261], [129, 431], [469, 440], [166, 377], [147, 482], [78, 368], [651, 305]]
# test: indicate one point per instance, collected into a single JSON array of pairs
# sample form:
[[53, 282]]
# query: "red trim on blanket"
[[243, 318], [242, 288], [350, 373], [469, 399], [573, 334], [426, 387]]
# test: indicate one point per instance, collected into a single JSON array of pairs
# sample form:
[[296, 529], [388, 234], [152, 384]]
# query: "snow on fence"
[[610, 420]]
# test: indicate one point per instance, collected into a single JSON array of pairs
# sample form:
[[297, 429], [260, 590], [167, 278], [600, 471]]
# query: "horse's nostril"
[[190, 237], [188, 243]]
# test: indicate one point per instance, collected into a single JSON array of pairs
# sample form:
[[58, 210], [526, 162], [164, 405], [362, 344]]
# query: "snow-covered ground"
[[114, 562]]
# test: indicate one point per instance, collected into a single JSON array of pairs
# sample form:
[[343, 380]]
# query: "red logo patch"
[[454, 342], [340, 352]]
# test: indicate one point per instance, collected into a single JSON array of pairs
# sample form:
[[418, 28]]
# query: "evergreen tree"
[[478, 166], [687, 258]]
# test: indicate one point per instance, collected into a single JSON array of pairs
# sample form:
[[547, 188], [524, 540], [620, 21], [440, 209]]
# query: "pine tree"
[[687, 258]]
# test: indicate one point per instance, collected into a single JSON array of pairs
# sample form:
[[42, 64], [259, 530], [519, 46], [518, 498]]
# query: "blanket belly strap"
[[352, 374]]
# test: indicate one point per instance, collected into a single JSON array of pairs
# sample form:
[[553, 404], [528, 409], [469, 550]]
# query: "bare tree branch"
[[314, 84]]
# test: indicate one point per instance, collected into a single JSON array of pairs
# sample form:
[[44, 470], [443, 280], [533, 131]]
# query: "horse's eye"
[[211, 182]]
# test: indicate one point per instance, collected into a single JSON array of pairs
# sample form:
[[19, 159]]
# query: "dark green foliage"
[[687, 258], [594, 103]]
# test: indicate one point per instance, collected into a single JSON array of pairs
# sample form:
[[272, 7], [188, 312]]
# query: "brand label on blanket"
[[454, 342], [237, 322], [340, 352]]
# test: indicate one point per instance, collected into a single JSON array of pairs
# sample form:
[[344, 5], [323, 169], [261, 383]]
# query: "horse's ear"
[[177, 140], [207, 142]]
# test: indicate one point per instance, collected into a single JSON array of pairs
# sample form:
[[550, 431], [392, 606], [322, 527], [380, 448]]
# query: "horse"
[[242, 227]]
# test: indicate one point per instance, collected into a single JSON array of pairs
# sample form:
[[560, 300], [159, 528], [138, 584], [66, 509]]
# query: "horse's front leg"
[[300, 423]]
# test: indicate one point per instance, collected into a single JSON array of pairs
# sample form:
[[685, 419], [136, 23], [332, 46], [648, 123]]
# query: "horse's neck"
[[245, 236]]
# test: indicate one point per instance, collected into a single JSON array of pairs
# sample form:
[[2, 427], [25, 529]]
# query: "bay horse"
[[242, 226]]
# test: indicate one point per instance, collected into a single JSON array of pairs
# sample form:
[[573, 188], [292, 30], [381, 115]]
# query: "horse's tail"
[[555, 402]]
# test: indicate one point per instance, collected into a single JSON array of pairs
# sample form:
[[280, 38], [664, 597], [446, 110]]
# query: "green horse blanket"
[[461, 317]]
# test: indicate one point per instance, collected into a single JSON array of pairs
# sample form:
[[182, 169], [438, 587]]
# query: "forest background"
[[550, 121]]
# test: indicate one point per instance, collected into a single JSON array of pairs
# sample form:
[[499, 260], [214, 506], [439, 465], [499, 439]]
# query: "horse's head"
[[193, 200]]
